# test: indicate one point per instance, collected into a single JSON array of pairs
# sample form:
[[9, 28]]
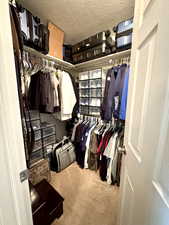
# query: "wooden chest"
[[40, 171]]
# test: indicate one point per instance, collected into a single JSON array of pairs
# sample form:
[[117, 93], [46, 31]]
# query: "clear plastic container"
[[83, 84], [96, 93], [84, 93], [48, 130], [84, 101], [84, 76], [95, 102], [95, 74], [95, 83], [49, 140]]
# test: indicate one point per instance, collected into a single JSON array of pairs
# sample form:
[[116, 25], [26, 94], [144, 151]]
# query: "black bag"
[[124, 35], [89, 43], [92, 53], [34, 23], [29, 27], [44, 39], [67, 53], [62, 155], [24, 24]]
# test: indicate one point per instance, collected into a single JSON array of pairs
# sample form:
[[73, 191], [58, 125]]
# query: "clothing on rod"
[[116, 88], [96, 148], [47, 93]]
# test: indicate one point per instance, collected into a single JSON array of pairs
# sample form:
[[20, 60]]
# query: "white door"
[[15, 206], [145, 176]]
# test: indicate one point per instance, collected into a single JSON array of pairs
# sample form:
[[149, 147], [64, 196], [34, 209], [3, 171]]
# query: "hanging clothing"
[[92, 155], [86, 166], [41, 93], [67, 96], [113, 92], [123, 105], [55, 84]]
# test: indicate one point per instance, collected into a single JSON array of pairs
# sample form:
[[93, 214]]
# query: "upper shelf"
[[91, 64], [103, 61]]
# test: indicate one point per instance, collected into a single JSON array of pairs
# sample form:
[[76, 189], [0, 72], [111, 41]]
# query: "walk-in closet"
[[84, 112]]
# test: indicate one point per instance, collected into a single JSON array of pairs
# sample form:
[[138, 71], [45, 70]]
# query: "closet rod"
[[58, 62], [91, 64]]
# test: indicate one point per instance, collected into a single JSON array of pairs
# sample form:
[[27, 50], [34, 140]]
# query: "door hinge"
[[23, 175]]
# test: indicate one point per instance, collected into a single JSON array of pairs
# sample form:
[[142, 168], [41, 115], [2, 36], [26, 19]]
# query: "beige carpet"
[[88, 200]]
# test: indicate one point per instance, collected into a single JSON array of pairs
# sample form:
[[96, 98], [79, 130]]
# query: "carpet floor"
[[88, 200]]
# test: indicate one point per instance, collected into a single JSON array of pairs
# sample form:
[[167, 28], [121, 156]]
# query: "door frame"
[[11, 138]]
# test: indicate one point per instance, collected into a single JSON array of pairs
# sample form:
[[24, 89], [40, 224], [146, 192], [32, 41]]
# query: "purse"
[[63, 155]]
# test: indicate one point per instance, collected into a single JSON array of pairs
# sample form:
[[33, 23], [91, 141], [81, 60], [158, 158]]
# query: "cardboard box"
[[56, 40]]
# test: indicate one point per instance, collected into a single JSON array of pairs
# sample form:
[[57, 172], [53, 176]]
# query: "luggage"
[[44, 39], [34, 33], [124, 26], [92, 53], [90, 42], [67, 53], [124, 35], [62, 155], [24, 24]]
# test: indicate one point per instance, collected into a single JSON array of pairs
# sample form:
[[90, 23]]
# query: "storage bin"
[[40, 171], [84, 110], [32, 115], [95, 102], [95, 83], [49, 140], [37, 145], [48, 130], [36, 156], [95, 74], [124, 26], [96, 92], [35, 124], [84, 101], [124, 41], [84, 92], [37, 133], [95, 111], [84, 76], [84, 84]]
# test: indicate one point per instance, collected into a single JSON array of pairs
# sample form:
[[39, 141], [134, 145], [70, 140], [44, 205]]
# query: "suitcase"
[[34, 30], [124, 42], [124, 35], [124, 26], [34, 33], [24, 24], [67, 53], [90, 42], [92, 53], [43, 39], [62, 157]]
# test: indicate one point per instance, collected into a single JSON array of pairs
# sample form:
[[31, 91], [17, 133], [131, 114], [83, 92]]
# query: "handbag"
[[63, 155]]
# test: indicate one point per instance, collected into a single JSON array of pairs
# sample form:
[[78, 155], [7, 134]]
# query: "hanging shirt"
[[123, 105], [87, 147], [110, 153], [67, 96], [74, 131]]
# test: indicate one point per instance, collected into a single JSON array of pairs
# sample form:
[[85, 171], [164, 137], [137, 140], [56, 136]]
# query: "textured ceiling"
[[81, 18]]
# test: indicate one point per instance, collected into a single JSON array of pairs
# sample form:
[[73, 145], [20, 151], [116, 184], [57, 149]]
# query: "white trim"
[[11, 140]]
